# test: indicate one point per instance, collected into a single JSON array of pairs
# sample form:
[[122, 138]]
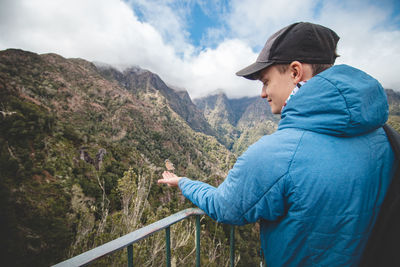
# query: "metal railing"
[[128, 240]]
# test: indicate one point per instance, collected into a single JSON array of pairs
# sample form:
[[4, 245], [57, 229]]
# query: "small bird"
[[169, 165]]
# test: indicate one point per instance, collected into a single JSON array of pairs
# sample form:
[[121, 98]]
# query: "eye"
[[265, 82]]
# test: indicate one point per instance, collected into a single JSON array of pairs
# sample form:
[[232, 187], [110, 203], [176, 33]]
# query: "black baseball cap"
[[302, 41]]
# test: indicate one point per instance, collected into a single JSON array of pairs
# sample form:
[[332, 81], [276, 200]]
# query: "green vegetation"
[[80, 155], [238, 123], [75, 147]]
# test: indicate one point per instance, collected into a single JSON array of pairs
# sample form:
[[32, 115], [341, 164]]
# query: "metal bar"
[[197, 241], [128, 239], [232, 246], [168, 246], [130, 255]]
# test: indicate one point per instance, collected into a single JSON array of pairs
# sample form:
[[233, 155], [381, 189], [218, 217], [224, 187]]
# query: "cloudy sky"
[[197, 44]]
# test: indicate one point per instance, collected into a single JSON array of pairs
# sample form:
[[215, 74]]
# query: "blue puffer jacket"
[[316, 184]]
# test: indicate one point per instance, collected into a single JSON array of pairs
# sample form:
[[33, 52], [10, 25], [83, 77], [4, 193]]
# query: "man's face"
[[276, 87]]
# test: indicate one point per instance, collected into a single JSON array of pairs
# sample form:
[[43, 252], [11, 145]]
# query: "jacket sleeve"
[[253, 189]]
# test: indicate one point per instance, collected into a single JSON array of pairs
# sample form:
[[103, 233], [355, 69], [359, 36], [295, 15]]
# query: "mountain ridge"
[[68, 136], [180, 102], [240, 122]]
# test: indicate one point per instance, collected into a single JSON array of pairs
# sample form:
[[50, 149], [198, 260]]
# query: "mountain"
[[239, 122], [144, 83], [82, 146], [394, 108], [74, 138], [394, 101]]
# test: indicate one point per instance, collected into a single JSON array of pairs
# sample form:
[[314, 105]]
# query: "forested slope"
[[73, 140]]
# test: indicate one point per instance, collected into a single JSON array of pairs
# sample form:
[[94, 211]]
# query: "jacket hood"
[[340, 101]]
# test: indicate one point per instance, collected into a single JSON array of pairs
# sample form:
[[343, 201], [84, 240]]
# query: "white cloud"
[[365, 41], [169, 18], [92, 29], [255, 20], [110, 32], [216, 68]]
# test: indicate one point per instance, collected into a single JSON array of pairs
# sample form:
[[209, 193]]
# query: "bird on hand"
[[169, 165], [169, 177]]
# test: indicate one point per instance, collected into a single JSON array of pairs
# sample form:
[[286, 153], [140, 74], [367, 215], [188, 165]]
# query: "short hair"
[[316, 68]]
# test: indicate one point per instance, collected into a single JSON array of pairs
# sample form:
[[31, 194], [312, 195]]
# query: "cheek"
[[285, 89], [268, 89]]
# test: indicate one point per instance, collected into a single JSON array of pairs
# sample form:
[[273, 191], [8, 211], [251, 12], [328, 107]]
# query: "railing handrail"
[[128, 239]]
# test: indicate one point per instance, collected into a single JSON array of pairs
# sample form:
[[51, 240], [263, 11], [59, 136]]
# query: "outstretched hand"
[[169, 178]]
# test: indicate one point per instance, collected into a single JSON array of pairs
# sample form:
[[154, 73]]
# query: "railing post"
[[130, 255], [232, 245], [197, 240], [168, 245]]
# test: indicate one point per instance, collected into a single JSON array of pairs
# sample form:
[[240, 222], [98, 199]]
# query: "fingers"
[[162, 181], [167, 174], [165, 181], [169, 178], [170, 181]]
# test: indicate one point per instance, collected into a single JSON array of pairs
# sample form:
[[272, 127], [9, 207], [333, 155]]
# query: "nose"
[[264, 92]]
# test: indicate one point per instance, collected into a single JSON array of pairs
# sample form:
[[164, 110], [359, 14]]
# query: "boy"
[[317, 183]]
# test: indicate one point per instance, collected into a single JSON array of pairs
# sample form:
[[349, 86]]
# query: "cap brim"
[[251, 72]]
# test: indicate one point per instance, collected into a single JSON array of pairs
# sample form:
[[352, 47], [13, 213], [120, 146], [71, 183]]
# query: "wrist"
[[181, 181]]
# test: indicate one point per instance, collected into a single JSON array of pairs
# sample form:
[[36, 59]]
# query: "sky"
[[199, 45]]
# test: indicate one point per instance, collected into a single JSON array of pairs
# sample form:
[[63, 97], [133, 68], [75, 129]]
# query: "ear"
[[296, 71]]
